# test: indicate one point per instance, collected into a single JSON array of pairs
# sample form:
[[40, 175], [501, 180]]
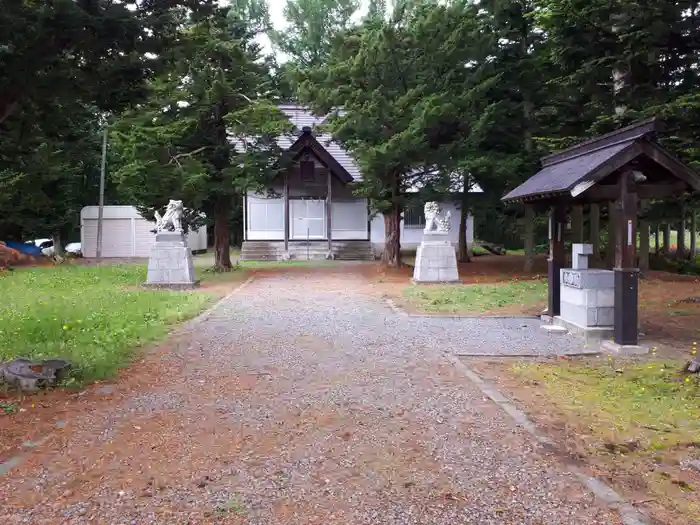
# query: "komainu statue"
[[172, 219], [435, 220]]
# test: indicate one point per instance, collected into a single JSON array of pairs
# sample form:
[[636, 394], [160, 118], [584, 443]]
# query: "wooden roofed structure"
[[623, 166]]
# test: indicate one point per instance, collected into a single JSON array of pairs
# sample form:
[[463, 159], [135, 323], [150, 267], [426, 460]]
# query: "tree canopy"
[[208, 132], [422, 94]]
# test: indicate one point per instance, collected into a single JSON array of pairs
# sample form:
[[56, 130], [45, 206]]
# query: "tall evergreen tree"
[[49, 170], [312, 26], [397, 82], [62, 64], [208, 133], [97, 52]]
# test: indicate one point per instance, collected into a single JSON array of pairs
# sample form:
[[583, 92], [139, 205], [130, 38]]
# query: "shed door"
[[308, 218]]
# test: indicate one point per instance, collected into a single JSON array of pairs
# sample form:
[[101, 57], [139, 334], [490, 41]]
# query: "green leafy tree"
[[208, 132], [312, 27]]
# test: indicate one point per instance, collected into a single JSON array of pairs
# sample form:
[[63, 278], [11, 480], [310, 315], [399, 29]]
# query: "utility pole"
[[100, 212]]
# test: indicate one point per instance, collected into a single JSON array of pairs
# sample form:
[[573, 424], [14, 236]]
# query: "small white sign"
[[629, 233]]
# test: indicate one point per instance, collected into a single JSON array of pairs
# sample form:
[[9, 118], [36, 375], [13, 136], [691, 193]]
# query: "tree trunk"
[[644, 245], [392, 237], [656, 239], [462, 248], [528, 105], [57, 245], [222, 244], [693, 234], [680, 238], [667, 239]]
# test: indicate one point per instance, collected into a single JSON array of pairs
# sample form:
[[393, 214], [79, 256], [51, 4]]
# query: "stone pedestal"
[[587, 296], [170, 264], [436, 261]]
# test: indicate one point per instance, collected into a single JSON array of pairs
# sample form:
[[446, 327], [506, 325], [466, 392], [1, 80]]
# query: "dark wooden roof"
[[569, 173], [308, 142]]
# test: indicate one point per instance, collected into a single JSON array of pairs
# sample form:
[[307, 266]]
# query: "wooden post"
[[626, 330], [612, 234], [667, 239], [594, 230], [557, 217], [680, 240], [286, 212], [529, 238], [644, 245], [693, 234], [577, 223], [329, 193]]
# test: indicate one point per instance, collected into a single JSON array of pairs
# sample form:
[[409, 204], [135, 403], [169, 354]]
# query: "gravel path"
[[302, 401]]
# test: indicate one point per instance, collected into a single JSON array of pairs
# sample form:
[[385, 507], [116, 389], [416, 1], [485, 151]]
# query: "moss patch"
[[637, 422], [476, 298]]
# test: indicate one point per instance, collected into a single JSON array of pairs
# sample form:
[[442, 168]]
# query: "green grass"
[[636, 421], [650, 403], [475, 298], [478, 250], [93, 316]]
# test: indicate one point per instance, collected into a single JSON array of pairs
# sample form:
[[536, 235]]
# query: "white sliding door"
[[308, 218]]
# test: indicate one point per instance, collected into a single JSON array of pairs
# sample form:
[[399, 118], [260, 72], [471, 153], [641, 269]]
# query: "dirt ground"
[[12, 257]]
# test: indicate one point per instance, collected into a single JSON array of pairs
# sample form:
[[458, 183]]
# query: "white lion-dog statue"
[[172, 219], [434, 220]]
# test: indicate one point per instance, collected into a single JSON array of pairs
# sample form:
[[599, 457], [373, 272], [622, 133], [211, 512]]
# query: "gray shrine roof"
[[301, 118], [571, 171], [307, 141]]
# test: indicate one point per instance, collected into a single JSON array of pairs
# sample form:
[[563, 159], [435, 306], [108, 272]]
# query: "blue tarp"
[[29, 249]]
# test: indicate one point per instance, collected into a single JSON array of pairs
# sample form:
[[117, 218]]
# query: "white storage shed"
[[125, 233]]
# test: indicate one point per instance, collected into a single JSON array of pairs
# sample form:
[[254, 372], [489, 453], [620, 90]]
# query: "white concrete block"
[[605, 316], [582, 249], [605, 298], [571, 295], [448, 274], [170, 261], [554, 329], [436, 261], [611, 347], [574, 313]]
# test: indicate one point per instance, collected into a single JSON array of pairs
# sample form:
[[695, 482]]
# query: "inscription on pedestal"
[[571, 279]]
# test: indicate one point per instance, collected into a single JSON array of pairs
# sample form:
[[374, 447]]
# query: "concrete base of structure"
[[589, 333], [436, 261], [610, 347], [170, 264]]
